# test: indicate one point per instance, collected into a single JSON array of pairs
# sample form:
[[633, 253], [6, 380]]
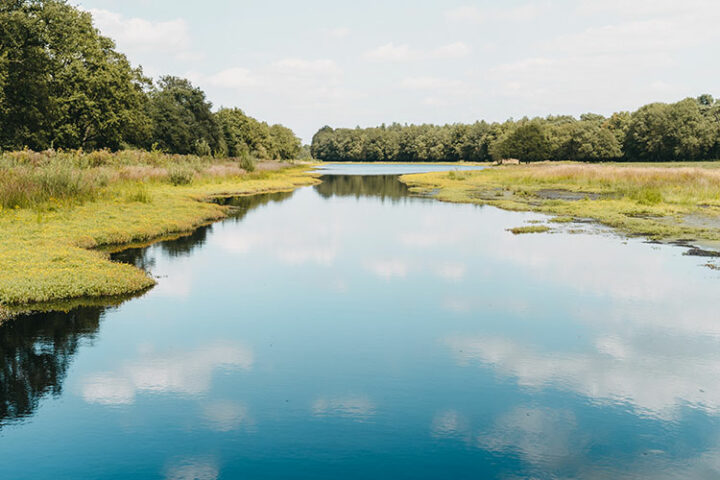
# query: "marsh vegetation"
[[660, 201], [57, 207]]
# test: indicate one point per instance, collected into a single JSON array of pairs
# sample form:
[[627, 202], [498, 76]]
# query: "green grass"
[[47, 250], [665, 201], [529, 229]]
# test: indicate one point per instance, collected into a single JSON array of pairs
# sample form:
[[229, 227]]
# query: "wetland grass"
[[54, 218], [653, 200]]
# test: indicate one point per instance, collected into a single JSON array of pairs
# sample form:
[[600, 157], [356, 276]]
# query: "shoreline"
[[667, 202], [61, 259]]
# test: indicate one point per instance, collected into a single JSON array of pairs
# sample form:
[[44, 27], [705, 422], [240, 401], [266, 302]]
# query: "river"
[[351, 330]]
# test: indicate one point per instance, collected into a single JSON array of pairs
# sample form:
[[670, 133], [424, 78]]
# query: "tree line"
[[686, 130], [63, 85]]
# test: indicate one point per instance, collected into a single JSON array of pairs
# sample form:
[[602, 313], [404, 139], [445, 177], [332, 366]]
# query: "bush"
[[179, 175], [202, 148], [247, 163]]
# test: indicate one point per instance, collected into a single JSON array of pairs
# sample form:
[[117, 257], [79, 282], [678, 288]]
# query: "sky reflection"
[[348, 330]]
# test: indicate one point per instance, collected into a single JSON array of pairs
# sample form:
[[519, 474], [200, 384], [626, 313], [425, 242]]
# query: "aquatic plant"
[[529, 229]]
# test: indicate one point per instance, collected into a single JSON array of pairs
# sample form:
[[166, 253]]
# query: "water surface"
[[348, 330]]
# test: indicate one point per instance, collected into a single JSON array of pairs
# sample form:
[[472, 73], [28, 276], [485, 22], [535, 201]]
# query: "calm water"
[[350, 331]]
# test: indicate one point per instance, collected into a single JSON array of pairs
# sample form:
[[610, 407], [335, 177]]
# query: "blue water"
[[349, 330]]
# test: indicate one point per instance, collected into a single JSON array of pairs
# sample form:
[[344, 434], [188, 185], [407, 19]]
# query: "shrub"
[[181, 175], [247, 163], [202, 148]]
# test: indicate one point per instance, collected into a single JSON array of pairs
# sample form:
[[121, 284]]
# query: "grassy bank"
[[666, 201], [60, 209]]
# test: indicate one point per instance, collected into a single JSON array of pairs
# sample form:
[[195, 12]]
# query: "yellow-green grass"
[[529, 229], [667, 201], [47, 253]]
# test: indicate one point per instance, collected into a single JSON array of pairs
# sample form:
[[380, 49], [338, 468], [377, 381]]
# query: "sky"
[[311, 63]]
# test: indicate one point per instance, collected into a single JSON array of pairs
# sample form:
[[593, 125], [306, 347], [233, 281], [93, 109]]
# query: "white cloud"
[[451, 271], [540, 435], [286, 71], [615, 63], [653, 36], [194, 468], [404, 53], [450, 424], [452, 50], [237, 78], [296, 246], [225, 416], [185, 373], [140, 35], [656, 382], [391, 52], [389, 269]]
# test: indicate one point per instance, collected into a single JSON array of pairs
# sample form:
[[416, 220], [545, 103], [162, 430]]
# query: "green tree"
[[246, 136], [662, 132], [65, 85], [528, 142], [585, 140], [183, 118], [286, 145]]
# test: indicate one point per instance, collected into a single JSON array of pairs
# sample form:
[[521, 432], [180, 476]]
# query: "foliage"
[[686, 130], [65, 86], [243, 135], [528, 143], [182, 118], [247, 163], [181, 175]]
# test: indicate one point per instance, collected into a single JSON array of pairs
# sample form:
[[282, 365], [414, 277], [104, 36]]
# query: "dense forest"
[[64, 86], [686, 130]]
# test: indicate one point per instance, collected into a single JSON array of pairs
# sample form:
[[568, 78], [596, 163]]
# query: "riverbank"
[[673, 202], [48, 248]]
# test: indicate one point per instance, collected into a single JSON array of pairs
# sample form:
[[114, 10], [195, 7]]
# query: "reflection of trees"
[[186, 244], [35, 353], [176, 247], [241, 206], [383, 186]]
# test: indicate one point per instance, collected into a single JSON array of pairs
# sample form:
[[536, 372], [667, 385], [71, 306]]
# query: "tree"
[[246, 136], [586, 140], [64, 83], [323, 145], [662, 132], [183, 118], [528, 143], [286, 145]]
